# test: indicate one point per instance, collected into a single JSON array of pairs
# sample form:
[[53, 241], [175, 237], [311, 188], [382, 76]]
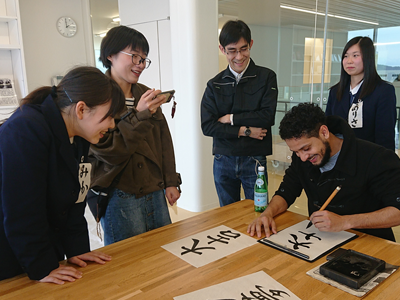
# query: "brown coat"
[[142, 142]]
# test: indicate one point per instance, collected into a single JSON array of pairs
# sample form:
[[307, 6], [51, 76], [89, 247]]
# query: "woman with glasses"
[[361, 97], [137, 158], [44, 175]]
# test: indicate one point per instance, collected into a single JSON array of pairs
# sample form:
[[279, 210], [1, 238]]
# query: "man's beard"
[[327, 155]]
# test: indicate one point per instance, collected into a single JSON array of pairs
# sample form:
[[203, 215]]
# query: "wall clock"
[[66, 26]]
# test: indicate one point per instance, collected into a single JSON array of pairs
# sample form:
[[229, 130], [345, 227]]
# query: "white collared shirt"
[[238, 76], [356, 88]]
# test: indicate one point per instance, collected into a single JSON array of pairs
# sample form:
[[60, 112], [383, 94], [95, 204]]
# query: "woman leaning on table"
[[43, 182], [361, 97]]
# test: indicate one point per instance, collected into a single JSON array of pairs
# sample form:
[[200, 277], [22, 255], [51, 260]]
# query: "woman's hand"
[[62, 274], [150, 101], [95, 256], [172, 194]]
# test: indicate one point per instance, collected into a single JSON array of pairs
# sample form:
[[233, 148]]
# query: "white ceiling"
[[384, 12], [102, 12]]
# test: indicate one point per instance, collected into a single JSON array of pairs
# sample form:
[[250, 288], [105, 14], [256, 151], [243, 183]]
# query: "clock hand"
[[66, 25]]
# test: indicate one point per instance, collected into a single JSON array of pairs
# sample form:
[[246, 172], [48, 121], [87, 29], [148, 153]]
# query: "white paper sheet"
[[210, 245], [254, 286], [309, 243]]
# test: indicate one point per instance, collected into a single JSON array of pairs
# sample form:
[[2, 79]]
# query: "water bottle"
[[260, 191]]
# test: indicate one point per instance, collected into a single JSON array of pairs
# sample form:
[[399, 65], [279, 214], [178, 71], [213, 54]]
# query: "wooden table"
[[141, 269]]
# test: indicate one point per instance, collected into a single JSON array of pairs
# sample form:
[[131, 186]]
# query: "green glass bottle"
[[260, 191]]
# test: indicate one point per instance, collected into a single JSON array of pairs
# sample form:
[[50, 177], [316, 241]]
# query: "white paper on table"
[[308, 244], [210, 245], [253, 286]]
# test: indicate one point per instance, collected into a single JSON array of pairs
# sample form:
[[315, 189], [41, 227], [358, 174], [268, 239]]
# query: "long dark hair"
[[371, 77], [87, 84], [117, 39]]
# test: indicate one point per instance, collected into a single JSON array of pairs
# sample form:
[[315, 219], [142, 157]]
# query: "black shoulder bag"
[[98, 198]]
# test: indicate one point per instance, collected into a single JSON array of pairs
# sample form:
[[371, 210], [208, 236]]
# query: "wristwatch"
[[247, 131]]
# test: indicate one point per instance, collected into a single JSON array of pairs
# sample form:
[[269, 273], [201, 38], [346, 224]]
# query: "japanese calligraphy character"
[[194, 249], [230, 234], [354, 113], [263, 295], [296, 244], [308, 236], [84, 171], [218, 240], [84, 187]]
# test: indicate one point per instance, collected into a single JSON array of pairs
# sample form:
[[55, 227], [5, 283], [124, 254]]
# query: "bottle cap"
[[260, 168]]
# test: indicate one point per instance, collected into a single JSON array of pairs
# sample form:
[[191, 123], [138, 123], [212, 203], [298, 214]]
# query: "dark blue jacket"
[[252, 102], [39, 220], [369, 175], [379, 113]]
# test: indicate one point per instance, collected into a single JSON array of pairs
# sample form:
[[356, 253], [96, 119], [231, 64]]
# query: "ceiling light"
[[103, 34], [116, 19], [322, 14], [384, 44]]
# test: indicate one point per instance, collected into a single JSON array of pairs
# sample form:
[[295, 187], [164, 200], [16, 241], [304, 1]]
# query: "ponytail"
[[87, 84], [37, 96]]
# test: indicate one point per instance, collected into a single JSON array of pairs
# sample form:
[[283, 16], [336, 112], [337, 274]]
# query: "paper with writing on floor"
[[254, 286], [210, 245], [307, 243]]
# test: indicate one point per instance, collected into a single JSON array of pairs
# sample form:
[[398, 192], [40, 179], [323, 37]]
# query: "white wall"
[[180, 34], [47, 53], [194, 36]]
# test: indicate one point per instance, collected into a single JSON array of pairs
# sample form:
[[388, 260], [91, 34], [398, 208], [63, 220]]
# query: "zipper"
[[228, 83], [252, 76], [233, 83]]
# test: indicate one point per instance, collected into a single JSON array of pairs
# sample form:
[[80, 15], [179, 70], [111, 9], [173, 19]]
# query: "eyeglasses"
[[137, 59], [233, 52]]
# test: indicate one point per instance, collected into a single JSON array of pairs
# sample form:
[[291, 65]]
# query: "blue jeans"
[[232, 171], [127, 216]]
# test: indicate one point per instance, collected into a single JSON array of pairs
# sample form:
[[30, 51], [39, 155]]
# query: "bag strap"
[[111, 186]]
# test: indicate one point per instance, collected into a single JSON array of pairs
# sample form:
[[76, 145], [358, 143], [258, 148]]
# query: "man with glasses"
[[238, 110]]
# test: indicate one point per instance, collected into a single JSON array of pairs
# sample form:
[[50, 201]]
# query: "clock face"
[[66, 26]]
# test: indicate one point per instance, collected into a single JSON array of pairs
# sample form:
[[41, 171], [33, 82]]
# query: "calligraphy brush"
[[327, 201]]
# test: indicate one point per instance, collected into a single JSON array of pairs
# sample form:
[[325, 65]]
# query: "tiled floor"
[[275, 173]]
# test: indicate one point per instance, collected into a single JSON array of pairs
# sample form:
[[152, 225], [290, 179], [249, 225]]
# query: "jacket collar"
[[57, 125], [347, 160], [250, 72], [344, 103]]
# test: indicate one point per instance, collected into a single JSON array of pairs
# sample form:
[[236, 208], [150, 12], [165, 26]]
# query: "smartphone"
[[169, 94]]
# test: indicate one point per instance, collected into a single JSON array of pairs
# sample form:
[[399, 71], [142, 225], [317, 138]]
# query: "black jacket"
[[252, 102], [39, 219], [379, 113], [369, 175]]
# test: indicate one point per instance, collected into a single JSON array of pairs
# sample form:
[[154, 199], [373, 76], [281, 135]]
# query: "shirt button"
[[139, 165]]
